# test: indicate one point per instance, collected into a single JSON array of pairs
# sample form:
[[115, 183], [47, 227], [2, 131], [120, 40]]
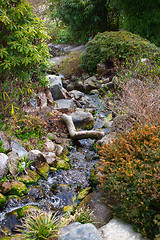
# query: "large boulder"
[[78, 231], [82, 119], [56, 88], [3, 165], [115, 230]]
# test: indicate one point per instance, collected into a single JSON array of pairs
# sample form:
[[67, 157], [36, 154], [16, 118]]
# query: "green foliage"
[[40, 226], [141, 17], [2, 150], [84, 215], [85, 18], [23, 164], [27, 128], [23, 54], [22, 41], [110, 45], [130, 167]]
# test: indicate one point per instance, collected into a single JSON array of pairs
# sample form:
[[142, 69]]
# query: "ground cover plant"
[[109, 46], [130, 167]]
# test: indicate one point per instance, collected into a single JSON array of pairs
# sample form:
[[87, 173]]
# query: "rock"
[[5, 187], [16, 147], [62, 164], [79, 86], [49, 145], [34, 175], [82, 118], [37, 192], [76, 94], [115, 230], [65, 104], [91, 83], [4, 162], [59, 150], [36, 157], [55, 86], [85, 76], [101, 67], [78, 231], [49, 97], [26, 179], [70, 87], [43, 99], [39, 161], [18, 188], [51, 159], [13, 161], [2, 200], [106, 139], [102, 213]]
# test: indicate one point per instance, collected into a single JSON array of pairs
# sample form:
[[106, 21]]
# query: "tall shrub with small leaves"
[[23, 52], [130, 168]]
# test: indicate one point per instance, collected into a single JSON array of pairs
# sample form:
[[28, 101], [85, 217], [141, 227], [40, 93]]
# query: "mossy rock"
[[43, 169], [18, 188], [34, 175], [109, 45], [26, 179], [62, 164], [22, 212], [83, 193], [2, 200]]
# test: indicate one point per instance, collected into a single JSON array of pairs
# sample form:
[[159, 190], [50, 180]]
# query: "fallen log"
[[77, 135]]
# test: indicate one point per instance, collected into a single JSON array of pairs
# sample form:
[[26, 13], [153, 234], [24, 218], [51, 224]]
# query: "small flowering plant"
[[130, 175]]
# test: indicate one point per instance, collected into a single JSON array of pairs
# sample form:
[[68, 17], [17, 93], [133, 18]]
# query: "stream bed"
[[60, 188]]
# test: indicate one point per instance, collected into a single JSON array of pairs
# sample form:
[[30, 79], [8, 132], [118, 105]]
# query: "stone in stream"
[[65, 104], [56, 88], [82, 118], [78, 231], [116, 229], [4, 165]]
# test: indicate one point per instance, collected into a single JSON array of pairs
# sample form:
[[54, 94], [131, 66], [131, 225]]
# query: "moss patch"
[[18, 188], [25, 210], [2, 200]]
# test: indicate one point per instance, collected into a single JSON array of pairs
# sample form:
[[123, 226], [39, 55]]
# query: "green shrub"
[[70, 65], [2, 150], [110, 45], [130, 167]]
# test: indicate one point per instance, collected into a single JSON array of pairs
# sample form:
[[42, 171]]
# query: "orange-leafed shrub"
[[130, 175]]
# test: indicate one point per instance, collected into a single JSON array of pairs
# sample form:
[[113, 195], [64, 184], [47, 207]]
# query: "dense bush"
[[22, 39], [23, 53], [110, 45], [130, 167]]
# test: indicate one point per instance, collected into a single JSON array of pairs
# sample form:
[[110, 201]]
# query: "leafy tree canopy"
[[141, 17], [86, 17]]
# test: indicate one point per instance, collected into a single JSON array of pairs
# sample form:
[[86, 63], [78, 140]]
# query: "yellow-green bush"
[[130, 168], [110, 45], [70, 65]]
